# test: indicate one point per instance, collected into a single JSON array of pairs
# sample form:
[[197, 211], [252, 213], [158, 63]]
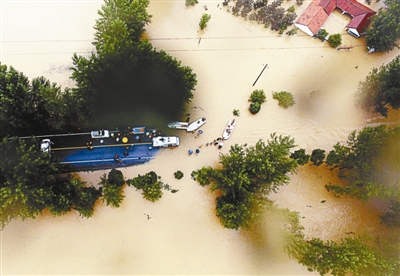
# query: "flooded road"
[[183, 235]]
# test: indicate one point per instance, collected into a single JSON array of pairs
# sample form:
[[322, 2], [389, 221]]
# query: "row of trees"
[[127, 76], [385, 30], [380, 89], [28, 107]]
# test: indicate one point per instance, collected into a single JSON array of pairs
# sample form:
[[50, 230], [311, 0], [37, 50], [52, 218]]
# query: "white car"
[[100, 133], [165, 141], [45, 146]]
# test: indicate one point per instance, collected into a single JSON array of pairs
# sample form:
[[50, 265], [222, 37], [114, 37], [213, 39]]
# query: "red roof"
[[313, 17], [317, 12], [352, 7]]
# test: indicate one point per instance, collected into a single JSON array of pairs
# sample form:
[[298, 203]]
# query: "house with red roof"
[[317, 12]]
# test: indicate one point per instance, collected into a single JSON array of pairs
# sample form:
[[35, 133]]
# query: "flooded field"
[[183, 235]]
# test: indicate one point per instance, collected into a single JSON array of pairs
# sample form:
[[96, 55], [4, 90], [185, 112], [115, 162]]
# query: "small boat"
[[178, 125], [229, 129], [196, 124]]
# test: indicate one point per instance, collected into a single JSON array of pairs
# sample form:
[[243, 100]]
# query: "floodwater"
[[183, 235]]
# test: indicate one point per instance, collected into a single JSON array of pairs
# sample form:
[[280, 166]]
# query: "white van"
[[165, 141]]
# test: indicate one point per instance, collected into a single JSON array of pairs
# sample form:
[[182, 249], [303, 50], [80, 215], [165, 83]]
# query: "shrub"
[[291, 9], [178, 174], [322, 34], [300, 156], [335, 40], [191, 2], [255, 108], [236, 112], [204, 20], [284, 98], [317, 157], [258, 96]]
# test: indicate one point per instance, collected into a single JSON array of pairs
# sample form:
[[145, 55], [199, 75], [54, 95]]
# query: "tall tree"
[[247, 176], [381, 88], [369, 162], [30, 182], [385, 29]]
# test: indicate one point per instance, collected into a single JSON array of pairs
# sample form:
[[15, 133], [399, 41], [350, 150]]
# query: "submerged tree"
[[381, 88], [385, 30], [112, 188], [204, 20], [284, 98], [127, 71], [150, 184], [30, 182], [247, 176]]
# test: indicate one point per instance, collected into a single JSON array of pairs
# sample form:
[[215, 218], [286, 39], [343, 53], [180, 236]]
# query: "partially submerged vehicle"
[[165, 141], [229, 129], [196, 124], [178, 125], [97, 134]]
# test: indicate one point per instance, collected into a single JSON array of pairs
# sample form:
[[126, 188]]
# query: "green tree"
[[204, 20], [350, 255], [284, 98], [317, 157], [247, 176], [150, 184], [322, 34], [178, 174], [30, 182], [191, 2], [381, 88], [335, 40], [255, 108], [112, 188], [300, 156], [130, 69], [258, 96], [385, 30], [369, 163]]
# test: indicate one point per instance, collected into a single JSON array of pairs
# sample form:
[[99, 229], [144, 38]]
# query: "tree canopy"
[[27, 107], [385, 30], [247, 176], [30, 182], [381, 88], [369, 163], [127, 76]]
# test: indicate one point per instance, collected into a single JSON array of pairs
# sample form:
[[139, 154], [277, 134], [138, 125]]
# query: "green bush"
[[284, 98], [255, 108], [322, 34], [204, 20], [178, 174], [191, 2], [258, 96], [236, 112], [335, 40]]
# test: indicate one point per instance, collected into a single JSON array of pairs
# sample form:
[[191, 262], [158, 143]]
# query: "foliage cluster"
[[30, 182], [257, 98], [272, 15], [322, 34], [369, 162], [126, 70], [381, 88], [300, 156], [385, 30], [191, 2], [38, 105], [236, 112], [247, 176], [178, 174], [204, 20], [284, 98], [150, 184], [335, 40], [112, 188]]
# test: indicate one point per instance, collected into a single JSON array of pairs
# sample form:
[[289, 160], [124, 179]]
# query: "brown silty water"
[[183, 235]]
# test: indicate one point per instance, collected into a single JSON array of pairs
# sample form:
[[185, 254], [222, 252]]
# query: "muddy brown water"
[[183, 236]]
